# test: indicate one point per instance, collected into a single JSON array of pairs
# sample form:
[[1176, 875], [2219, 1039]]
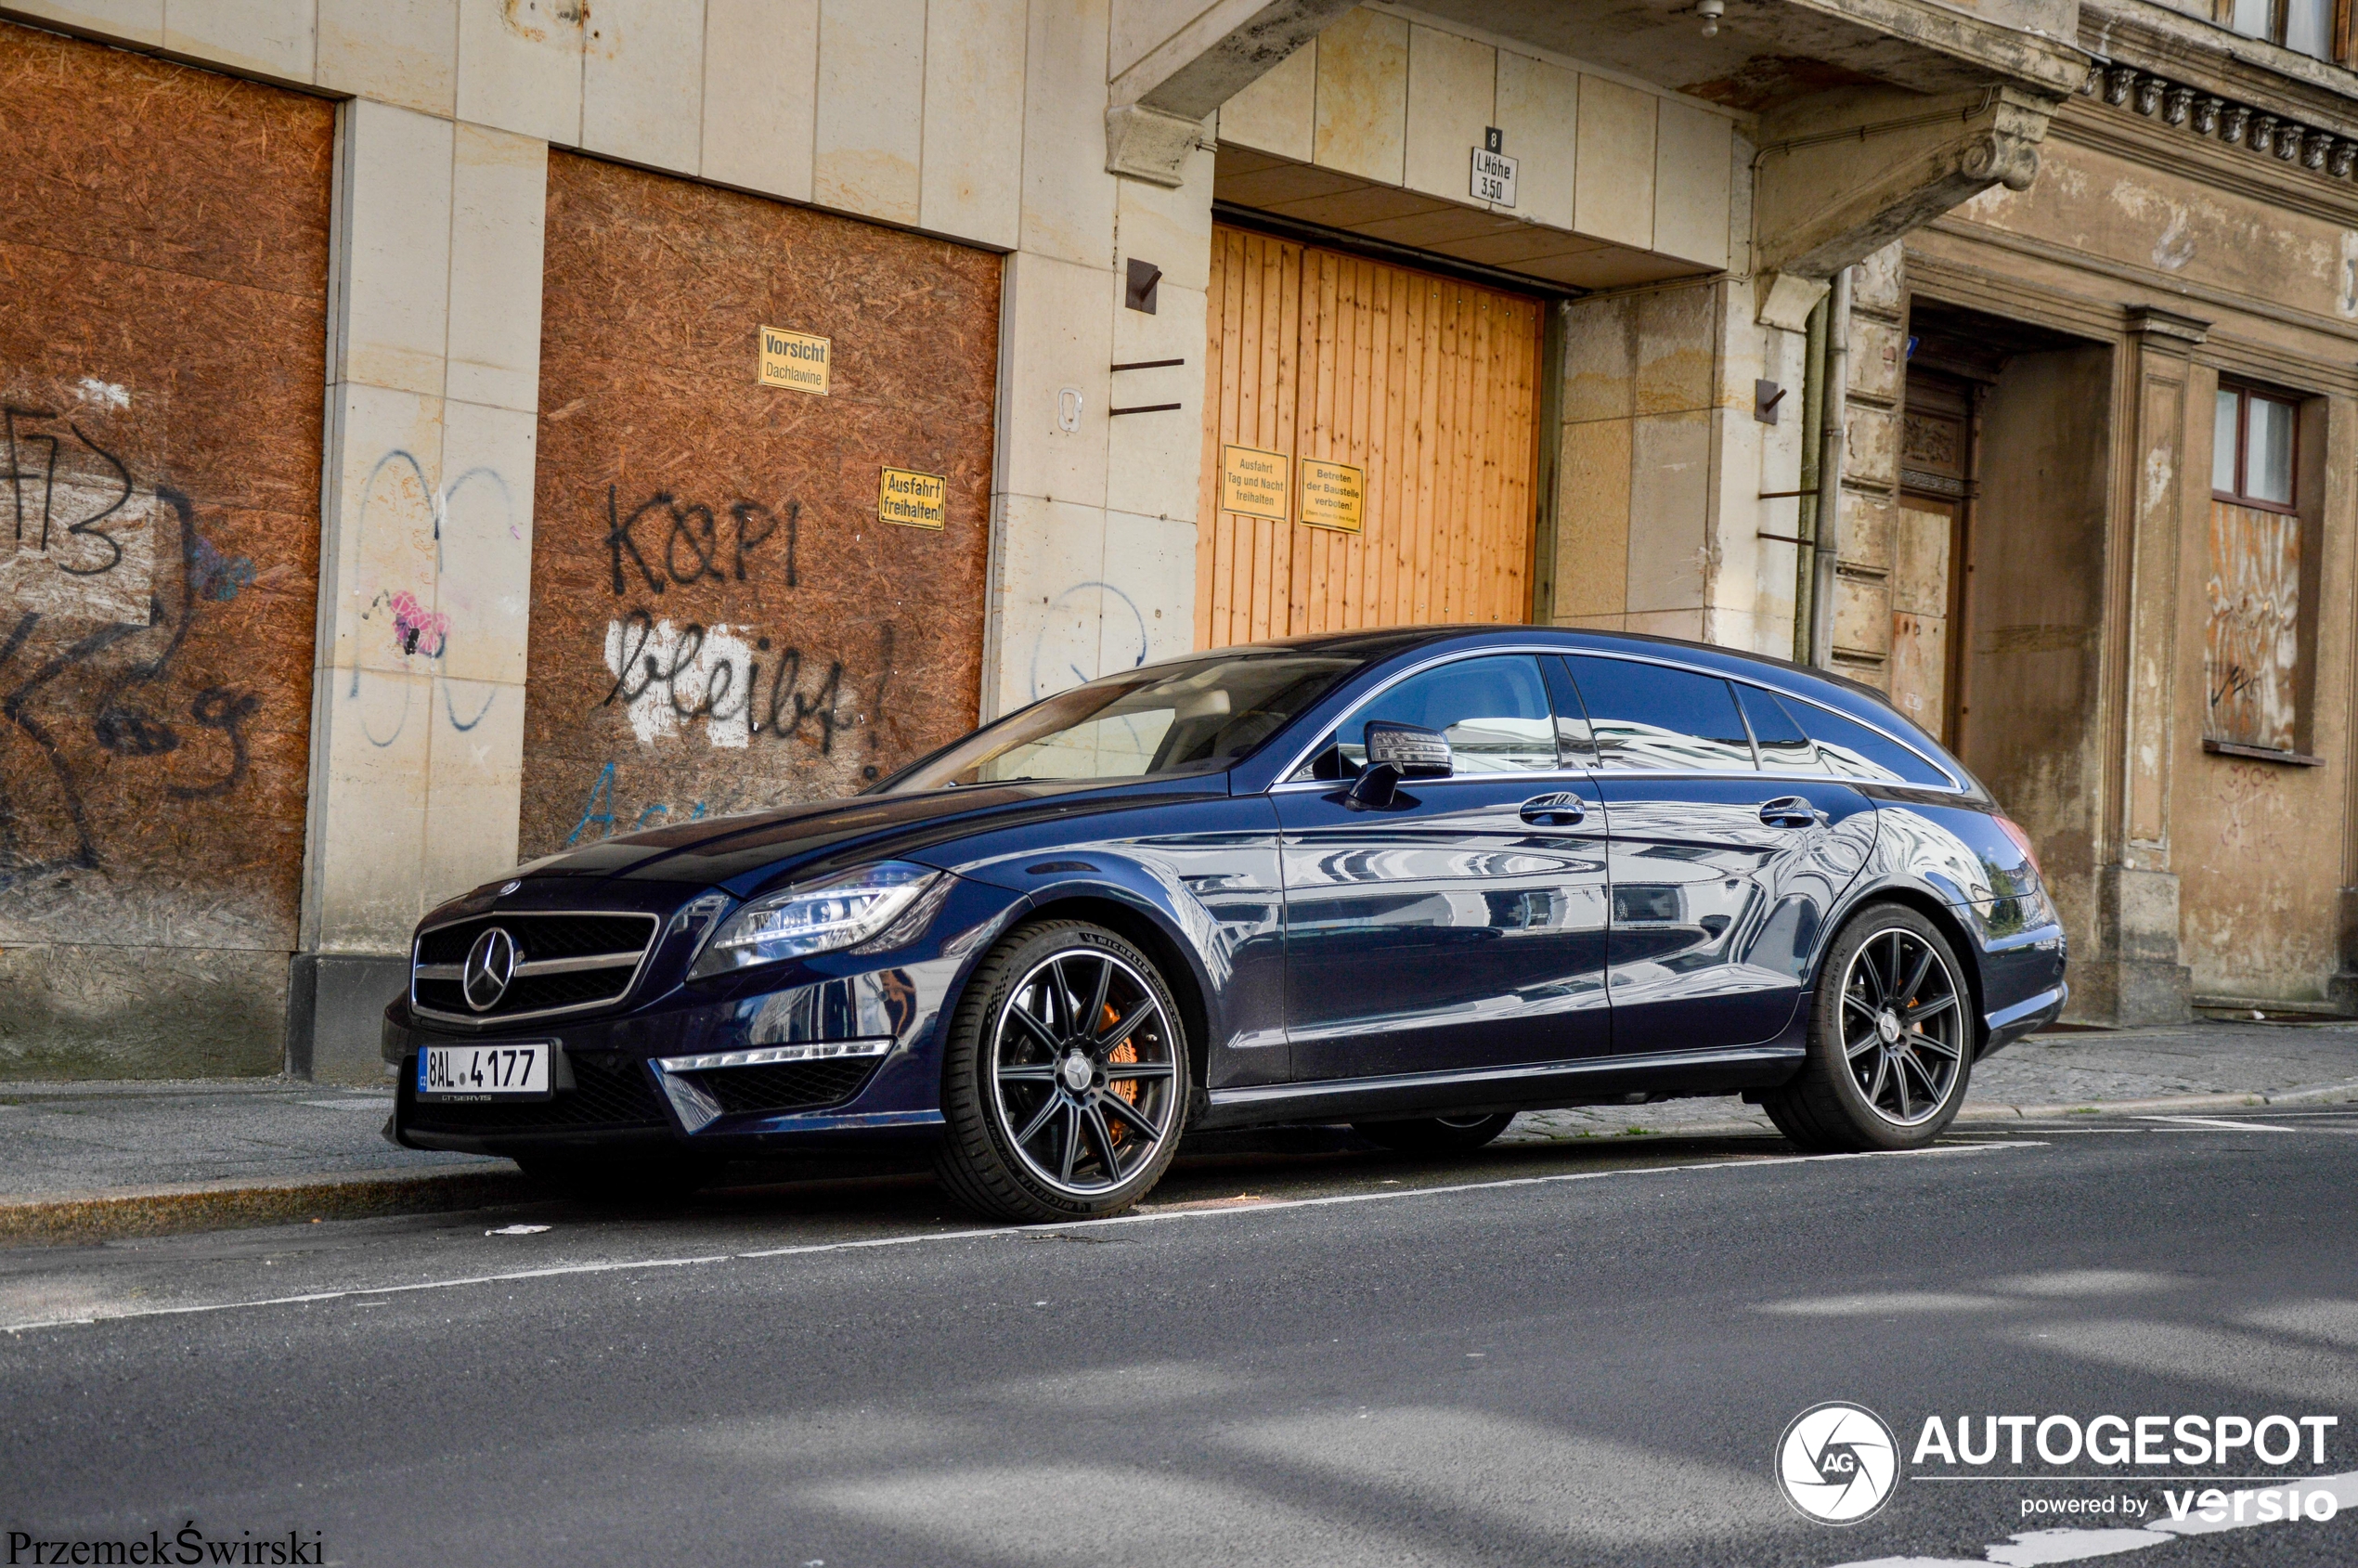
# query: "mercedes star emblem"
[[491, 963]]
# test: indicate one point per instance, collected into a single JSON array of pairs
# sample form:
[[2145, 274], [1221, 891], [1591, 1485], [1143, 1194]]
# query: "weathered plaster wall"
[[2256, 845], [2034, 661]]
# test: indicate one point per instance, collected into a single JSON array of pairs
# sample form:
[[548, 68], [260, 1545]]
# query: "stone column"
[[425, 556], [2133, 975]]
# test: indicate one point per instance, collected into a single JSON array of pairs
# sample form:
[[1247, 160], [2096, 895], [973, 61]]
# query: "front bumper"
[[811, 1053]]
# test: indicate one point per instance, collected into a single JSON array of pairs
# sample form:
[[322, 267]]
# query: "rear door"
[[1723, 868], [1464, 928]]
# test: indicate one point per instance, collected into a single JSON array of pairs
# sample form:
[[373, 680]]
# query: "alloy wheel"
[[1082, 1072], [1903, 1026]]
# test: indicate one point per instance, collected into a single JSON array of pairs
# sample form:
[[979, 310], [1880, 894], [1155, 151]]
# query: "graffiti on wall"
[[721, 620], [103, 579]]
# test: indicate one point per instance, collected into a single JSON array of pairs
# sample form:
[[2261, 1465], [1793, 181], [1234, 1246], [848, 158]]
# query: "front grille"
[[610, 1093], [786, 1085], [437, 976]]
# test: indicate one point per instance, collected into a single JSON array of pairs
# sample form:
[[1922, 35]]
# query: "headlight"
[[801, 921]]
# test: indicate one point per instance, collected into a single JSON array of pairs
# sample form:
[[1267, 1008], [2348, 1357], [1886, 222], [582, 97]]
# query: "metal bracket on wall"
[[1781, 494], [1783, 538], [1146, 407]]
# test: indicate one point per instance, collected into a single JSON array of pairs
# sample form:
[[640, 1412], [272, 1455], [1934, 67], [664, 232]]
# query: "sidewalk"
[[85, 1161]]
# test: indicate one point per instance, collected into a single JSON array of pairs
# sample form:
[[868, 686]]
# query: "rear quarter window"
[[1852, 750]]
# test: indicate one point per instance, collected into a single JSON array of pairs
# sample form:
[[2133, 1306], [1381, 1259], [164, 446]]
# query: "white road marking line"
[[558, 1271], [2034, 1547], [2218, 1123]]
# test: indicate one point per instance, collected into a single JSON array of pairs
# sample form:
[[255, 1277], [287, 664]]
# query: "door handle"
[[1554, 810], [1789, 810]]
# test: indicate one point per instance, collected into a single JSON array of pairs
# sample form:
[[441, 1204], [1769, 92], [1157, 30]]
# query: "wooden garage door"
[[1418, 390], [164, 242], [721, 617]]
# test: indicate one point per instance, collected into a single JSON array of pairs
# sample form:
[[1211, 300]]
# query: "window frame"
[[1289, 781], [2245, 392], [2338, 24]]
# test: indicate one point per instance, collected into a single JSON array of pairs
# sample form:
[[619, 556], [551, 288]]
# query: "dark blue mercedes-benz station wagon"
[[1414, 880]]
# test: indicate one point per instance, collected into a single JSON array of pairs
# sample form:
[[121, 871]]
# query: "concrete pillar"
[[1093, 513], [2133, 975], [425, 557], [1877, 386]]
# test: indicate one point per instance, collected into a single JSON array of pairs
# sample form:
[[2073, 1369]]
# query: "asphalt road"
[[1307, 1355]]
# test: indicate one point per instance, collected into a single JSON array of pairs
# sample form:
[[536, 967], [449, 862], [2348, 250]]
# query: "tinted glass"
[[1191, 718], [1855, 751], [1646, 716], [1494, 711], [1783, 745]]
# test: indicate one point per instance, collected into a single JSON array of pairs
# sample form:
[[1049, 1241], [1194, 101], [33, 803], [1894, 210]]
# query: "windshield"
[[1195, 717]]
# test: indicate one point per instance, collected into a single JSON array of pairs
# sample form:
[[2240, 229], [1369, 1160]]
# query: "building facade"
[[444, 433]]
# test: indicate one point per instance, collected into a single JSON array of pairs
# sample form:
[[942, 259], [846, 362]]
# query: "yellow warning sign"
[[1254, 481], [797, 360], [1334, 494], [919, 500]]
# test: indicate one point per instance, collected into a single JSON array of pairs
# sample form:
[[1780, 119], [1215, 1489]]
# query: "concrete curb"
[[178, 1207]]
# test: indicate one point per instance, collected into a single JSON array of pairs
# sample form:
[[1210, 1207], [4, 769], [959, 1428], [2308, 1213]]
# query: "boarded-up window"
[[2252, 651], [1380, 424], [723, 618], [163, 243]]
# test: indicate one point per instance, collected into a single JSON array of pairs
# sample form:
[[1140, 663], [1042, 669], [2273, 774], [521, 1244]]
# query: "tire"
[[1436, 1134], [1064, 1080], [1891, 1040]]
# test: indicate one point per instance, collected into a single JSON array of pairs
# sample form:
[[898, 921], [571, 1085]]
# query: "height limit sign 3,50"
[[1493, 172]]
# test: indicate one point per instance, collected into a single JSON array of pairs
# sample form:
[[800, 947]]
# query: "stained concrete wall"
[[2033, 659]]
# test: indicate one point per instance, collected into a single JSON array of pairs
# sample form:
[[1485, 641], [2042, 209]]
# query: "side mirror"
[[1413, 750], [1396, 752]]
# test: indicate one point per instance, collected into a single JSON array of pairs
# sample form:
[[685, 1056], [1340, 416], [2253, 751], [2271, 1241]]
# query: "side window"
[[1494, 711], [1647, 716], [1783, 748], [1855, 751]]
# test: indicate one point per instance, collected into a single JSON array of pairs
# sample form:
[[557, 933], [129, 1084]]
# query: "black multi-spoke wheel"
[[1891, 1043], [1065, 1083]]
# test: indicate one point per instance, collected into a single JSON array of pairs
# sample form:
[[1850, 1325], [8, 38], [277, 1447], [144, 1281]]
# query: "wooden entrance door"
[[1329, 375], [1928, 559]]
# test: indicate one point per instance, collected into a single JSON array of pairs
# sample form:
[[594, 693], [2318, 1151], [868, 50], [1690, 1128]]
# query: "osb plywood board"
[[2251, 655], [720, 621], [164, 248], [1427, 385]]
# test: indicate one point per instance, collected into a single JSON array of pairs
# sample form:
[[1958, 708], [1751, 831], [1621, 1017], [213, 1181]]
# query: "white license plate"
[[484, 1072]]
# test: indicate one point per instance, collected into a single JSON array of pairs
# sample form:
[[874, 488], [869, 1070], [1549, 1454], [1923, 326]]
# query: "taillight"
[[2013, 830]]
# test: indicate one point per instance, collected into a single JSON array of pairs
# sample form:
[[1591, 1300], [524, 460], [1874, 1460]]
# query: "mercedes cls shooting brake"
[[1413, 880]]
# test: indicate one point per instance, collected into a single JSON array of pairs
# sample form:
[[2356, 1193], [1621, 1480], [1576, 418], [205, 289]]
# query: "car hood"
[[743, 852]]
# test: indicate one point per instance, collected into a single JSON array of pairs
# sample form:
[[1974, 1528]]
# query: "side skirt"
[[1540, 1086]]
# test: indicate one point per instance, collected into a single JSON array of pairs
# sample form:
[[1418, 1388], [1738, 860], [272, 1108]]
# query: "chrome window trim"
[[541, 966], [1287, 783]]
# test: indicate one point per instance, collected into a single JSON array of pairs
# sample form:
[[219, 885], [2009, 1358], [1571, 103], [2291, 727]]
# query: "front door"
[[1465, 927], [1723, 871]]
